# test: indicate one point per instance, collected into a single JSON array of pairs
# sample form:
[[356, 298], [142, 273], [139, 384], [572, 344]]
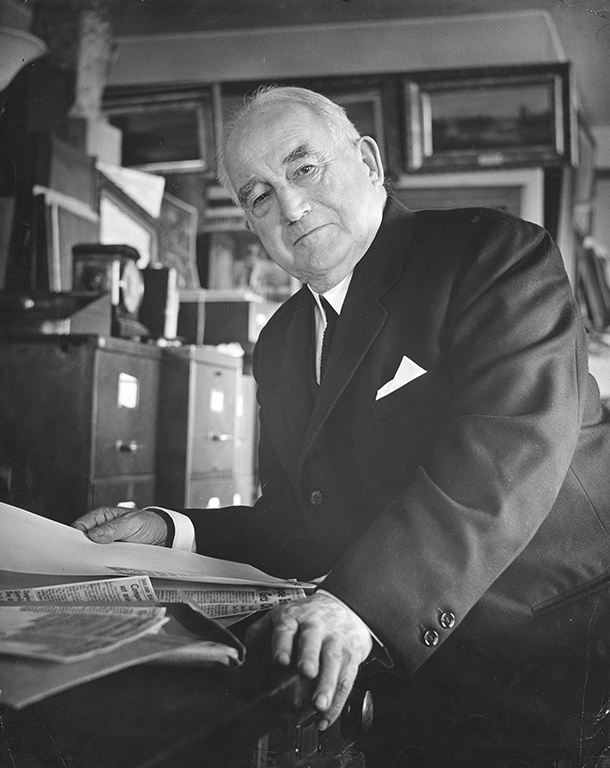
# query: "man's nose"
[[293, 204]]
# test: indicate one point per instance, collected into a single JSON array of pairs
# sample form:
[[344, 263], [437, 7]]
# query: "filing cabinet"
[[204, 444], [78, 420]]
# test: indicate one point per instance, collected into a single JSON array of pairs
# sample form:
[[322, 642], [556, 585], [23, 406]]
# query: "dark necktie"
[[331, 323]]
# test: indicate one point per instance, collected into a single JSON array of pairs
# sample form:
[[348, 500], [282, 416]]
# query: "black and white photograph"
[[304, 384]]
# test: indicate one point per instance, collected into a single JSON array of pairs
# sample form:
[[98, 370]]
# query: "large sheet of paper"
[[30, 543]]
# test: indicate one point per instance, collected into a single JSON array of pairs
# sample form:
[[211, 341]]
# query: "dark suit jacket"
[[479, 490]]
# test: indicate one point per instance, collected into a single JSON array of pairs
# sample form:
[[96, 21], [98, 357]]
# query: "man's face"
[[316, 205]]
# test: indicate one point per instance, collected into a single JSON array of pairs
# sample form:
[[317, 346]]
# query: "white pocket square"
[[407, 371]]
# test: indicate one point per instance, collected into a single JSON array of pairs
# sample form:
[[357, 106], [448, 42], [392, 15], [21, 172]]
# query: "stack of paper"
[[33, 544], [153, 603]]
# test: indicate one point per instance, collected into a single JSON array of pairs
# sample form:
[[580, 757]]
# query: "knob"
[[217, 437], [357, 715], [124, 447]]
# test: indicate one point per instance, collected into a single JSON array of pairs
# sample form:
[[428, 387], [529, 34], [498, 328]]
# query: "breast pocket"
[[416, 394]]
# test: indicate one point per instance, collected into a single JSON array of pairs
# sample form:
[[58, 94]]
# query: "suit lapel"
[[363, 314], [362, 317]]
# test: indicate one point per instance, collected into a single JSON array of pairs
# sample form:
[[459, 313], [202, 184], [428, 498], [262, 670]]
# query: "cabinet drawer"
[[213, 414], [112, 491], [126, 392]]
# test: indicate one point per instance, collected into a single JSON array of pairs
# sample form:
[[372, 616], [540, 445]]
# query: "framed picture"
[[519, 191], [164, 130], [499, 117], [364, 109], [177, 240]]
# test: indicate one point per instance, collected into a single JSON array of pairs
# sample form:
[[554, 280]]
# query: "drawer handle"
[[130, 447], [217, 437]]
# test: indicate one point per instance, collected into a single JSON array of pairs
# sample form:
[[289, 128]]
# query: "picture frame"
[[506, 116], [364, 108], [519, 191], [178, 240], [164, 130]]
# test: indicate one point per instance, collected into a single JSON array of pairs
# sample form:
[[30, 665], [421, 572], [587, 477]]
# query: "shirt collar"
[[335, 296]]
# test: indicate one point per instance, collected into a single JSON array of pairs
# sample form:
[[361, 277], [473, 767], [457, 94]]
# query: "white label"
[[217, 401], [129, 391]]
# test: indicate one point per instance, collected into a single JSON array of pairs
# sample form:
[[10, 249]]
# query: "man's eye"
[[259, 199], [305, 170]]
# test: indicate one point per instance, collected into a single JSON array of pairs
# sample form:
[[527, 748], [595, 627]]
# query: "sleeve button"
[[316, 498], [447, 620], [430, 637]]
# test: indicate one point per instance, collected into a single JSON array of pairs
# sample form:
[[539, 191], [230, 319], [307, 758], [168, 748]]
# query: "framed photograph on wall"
[[484, 119], [365, 110], [164, 129]]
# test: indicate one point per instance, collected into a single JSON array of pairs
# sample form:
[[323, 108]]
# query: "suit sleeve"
[[517, 363]]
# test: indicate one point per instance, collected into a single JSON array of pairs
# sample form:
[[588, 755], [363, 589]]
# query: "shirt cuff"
[[183, 529]]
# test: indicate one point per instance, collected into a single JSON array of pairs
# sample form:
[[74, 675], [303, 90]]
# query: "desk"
[[162, 716], [176, 717]]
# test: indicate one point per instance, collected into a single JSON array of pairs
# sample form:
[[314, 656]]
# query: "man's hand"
[[325, 640], [106, 524]]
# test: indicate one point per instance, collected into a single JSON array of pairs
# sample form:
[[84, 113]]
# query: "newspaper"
[[220, 602], [66, 633], [53, 637], [125, 590]]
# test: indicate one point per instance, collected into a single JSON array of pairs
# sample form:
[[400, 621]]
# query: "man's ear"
[[371, 157]]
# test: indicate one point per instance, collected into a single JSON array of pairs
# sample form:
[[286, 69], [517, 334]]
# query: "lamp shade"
[[17, 49]]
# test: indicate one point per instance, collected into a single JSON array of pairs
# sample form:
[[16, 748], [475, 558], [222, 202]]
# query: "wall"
[[352, 48]]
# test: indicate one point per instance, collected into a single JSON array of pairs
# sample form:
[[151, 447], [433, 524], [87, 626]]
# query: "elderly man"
[[431, 443]]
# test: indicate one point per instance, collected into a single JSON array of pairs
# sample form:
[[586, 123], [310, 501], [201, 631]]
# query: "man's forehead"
[[274, 139]]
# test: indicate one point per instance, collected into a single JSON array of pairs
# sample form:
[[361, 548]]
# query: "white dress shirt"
[[335, 297]]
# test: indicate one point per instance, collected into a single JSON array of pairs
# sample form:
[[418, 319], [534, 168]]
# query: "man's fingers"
[[327, 642], [285, 628], [308, 651], [105, 533], [107, 524], [336, 680], [96, 517]]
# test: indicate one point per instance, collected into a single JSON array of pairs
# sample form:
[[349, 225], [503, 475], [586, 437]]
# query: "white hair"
[[341, 128]]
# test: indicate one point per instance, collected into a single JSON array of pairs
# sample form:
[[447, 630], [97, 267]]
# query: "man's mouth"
[[309, 232]]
